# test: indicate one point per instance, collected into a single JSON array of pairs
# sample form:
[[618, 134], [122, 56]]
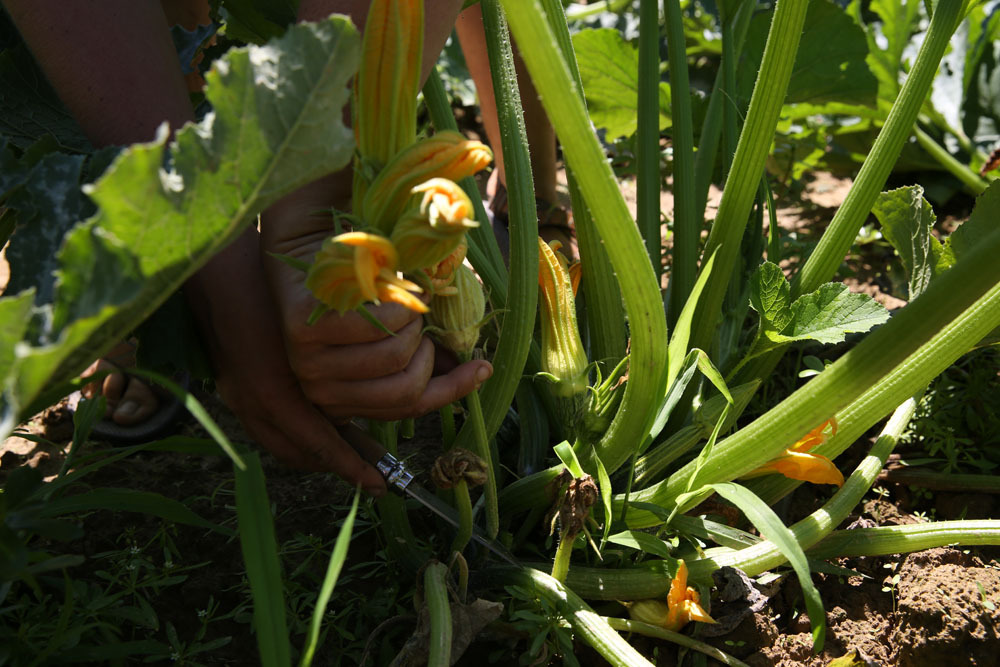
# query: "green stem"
[[843, 229], [976, 184], [564, 552], [447, 426], [940, 481], [625, 248], [436, 594], [687, 229], [765, 555], [647, 134], [891, 364], [751, 152], [603, 297], [464, 506], [517, 327], [626, 625], [482, 449], [904, 539], [588, 625]]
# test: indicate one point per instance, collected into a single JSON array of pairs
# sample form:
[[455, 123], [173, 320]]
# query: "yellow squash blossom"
[[429, 233], [447, 155], [797, 463], [385, 89], [563, 358], [442, 274], [682, 606], [353, 268]]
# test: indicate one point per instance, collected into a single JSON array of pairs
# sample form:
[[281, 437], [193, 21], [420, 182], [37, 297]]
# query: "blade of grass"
[[260, 556], [337, 558]]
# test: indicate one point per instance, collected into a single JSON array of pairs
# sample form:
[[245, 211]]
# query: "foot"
[[130, 401]]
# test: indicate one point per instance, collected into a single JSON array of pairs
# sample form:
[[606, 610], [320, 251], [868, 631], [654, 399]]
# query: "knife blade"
[[400, 479]]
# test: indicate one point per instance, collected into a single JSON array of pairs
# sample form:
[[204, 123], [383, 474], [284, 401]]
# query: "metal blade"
[[449, 514]]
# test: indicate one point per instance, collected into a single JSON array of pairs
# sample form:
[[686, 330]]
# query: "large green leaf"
[[276, 126], [830, 64], [609, 69]]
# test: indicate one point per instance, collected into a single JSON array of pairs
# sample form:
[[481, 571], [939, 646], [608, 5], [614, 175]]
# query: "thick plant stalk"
[[607, 332], [836, 240], [647, 135], [564, 553], [482, 449], [904, 539], [687, 229], [436, 594], [765, 555], [518, 326], [892, 363], [751, 152], [463, 503], [639, 628], [588, 625], [585, 157]]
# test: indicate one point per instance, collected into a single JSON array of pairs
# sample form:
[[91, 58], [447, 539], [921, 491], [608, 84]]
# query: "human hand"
[[239, 322], [346, 365]]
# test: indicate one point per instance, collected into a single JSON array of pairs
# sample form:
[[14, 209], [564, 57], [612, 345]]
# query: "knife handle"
[[395, 472]]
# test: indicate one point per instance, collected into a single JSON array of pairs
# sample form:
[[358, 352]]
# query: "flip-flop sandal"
[[167, 419], [552, 219]]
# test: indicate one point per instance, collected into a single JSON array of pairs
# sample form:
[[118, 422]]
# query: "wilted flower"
[[796, 463], [428, 234], [442, 274], [356, 267], [456, 465]]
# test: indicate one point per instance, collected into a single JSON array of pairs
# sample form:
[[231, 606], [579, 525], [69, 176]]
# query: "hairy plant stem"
[[463, 503], [447, 426], [843, 229], [436, 595], [585, 156], [588, 625], [647, 133], [904, 539], [891, 364], [517, 328], [481, 447], [751, 152], [655, 631], [765, 555], [560, 564]]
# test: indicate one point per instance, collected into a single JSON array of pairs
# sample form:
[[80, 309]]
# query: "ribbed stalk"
[[484, 253], [436, 594], [904, 539], [588, 625], [687, 229], [647, 134], [838, 237], [564, 553], [639, 628], [585, 157], [751, 152], [603, 297], [891, 364], [522, 299], [765, 555], [463, 503], [481, 446]]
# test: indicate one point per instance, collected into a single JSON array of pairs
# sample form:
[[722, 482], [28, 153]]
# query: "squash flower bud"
[[564, 362], [447, 155], [428, 234], [456, 318], [356, 267], [442, 274]]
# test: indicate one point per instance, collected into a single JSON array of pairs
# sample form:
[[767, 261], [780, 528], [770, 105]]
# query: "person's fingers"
[[318, 364], [137, 403], [308, 441], [352, 328], [399, 391], [439, 391]]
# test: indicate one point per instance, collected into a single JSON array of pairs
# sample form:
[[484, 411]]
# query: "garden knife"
[[400, 479]]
